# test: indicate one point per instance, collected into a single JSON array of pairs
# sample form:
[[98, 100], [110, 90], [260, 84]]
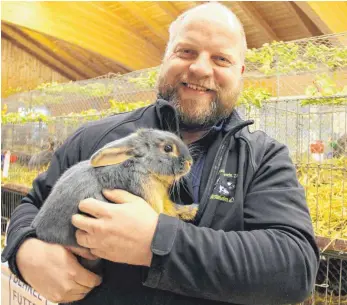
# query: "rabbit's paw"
[[186, 212]]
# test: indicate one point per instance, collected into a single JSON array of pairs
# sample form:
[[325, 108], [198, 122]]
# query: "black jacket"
[[252, 241]]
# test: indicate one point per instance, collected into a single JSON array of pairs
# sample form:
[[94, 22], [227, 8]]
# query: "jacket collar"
[[234, 121], [168, 118]]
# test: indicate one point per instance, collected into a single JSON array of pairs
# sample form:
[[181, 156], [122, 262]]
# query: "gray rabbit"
[[145, 163], [340, 149], [23, 158], [44, 157]]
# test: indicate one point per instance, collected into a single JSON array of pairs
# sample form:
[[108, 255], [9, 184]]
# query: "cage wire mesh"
[[331, 281], [10, 199], [296, 92]]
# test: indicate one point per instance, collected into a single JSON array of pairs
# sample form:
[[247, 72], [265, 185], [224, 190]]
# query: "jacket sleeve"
[[273, 261], [20, 223]]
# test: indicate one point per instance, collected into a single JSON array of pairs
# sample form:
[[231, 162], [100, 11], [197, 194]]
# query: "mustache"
[[202, 83], [168, 89]]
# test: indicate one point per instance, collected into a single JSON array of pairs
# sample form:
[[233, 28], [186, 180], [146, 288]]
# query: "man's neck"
[[192, 136]]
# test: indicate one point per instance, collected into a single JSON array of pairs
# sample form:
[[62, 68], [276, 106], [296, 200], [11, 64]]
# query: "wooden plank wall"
[[21, 69]]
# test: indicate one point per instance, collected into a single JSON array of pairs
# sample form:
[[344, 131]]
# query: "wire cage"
[[10, 199], [331, 281], [316, 136], [94, 95], [296, 92]]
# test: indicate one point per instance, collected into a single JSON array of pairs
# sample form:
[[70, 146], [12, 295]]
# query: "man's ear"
[[110, 156], [243, 69]]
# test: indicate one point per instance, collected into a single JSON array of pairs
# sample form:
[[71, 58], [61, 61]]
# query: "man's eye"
[[185, 52], [222, 58], [222, 61]]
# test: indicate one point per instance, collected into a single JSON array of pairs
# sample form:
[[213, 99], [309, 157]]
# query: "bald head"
[[209, 12]]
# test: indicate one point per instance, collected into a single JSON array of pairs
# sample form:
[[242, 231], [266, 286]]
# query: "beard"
[[195, 114]]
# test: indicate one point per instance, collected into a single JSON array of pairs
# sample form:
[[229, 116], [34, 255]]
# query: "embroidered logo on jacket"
[[224, 189]]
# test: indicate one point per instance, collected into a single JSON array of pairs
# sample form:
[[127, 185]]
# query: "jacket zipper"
[[215, 169]]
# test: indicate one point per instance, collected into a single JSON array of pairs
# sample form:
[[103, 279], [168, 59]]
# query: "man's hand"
[[120, 232], [54, 271]]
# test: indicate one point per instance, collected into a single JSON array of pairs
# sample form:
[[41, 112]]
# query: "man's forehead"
[[209, 27], [220, 34], [222, 20]]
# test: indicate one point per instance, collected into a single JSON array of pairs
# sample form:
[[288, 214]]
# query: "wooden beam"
[[105, 33], [29, 51], [57, 19], [257, 19], [312, 15], [300, 22], [51, 48], [95, 61], [333, 13], [307, 21], [33, 48], [134, 9], [196, 3], [123, 26], [169, 8], [83, 57], [119, 33]]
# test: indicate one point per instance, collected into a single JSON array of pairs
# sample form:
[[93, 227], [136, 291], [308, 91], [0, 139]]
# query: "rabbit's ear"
[[110, 156]]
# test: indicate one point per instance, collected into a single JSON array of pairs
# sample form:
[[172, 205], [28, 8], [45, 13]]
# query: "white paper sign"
[[6, 164], [15, 292]]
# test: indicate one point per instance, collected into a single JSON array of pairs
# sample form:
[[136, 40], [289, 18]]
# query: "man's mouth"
[[196, 87]]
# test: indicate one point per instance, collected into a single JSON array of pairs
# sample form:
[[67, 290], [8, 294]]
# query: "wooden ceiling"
[[70, 60], [86, 39]]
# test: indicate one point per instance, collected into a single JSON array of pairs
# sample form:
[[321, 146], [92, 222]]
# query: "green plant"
[[119, 106], [271, 59], [145, 81], [332, 57], [55, 93], [72, 118], [89, 89], [324, 86], [25, 117], [253, 96], [9, 91], [280, 57]]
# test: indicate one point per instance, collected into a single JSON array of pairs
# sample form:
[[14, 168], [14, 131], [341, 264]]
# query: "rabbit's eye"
[[168, 148]]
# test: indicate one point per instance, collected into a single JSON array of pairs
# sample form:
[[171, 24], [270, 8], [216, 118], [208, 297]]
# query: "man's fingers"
[[84, 223], [94, 207], [87, 278], [98, 253], [72, 293], [121, 196], [74, 296], [83, 252], [85, 240], [80, 290]]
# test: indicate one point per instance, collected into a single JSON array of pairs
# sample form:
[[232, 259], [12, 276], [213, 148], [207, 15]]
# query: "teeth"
[[195, 87]]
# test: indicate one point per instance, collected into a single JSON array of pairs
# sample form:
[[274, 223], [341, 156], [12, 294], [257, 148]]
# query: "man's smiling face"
[[201, 73]]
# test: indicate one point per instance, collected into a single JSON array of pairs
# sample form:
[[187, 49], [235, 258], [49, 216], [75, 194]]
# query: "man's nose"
[[202, 66]]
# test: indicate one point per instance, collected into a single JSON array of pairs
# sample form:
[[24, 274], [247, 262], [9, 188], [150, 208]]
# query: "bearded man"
[[252, 240]]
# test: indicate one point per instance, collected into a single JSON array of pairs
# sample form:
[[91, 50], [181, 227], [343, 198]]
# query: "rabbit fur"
[[137, 163], [44, 157], [341, 148]]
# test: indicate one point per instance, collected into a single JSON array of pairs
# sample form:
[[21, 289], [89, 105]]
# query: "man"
[[252, 240]]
